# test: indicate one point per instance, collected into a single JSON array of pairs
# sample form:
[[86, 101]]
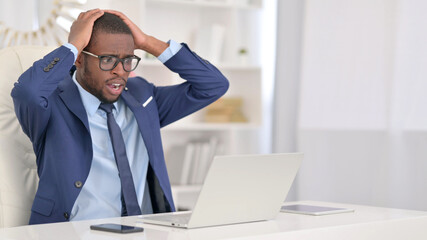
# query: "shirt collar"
[[90, 102]]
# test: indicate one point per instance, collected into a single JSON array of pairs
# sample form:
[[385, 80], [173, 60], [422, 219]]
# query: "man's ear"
[[79, 60]]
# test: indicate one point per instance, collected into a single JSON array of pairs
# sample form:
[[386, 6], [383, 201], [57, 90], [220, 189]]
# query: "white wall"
[[287, 78], [362, 117], [13, 15]]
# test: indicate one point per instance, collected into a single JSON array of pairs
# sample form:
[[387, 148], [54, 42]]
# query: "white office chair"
[[18, 172]]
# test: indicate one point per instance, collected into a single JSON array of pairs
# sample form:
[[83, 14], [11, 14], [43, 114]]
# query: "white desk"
[[365, 223]]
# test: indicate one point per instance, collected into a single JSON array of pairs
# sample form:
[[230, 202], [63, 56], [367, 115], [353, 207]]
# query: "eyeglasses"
[[107, 63]]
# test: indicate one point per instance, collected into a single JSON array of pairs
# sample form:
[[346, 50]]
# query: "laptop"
[[238, 189]]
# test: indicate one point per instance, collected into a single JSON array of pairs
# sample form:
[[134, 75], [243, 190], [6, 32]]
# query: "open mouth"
[[116, 86]]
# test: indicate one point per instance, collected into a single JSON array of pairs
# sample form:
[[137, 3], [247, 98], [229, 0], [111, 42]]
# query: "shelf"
[[238, 67], [195, 22], [185, 196], [217, 30], [238, 4], [211, 127], [221, 66], [186, 188]]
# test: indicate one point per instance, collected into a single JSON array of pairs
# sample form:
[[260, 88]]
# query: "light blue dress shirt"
[[100, 195]]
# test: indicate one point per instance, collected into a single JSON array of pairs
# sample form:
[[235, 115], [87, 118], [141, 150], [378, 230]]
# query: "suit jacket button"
[[56, 59], [53, 62], [78, 184], [50, 66], [46, 69], [66, 215]]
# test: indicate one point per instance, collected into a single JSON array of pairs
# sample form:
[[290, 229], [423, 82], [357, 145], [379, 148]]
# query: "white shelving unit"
[[238, 24], [246, 4]]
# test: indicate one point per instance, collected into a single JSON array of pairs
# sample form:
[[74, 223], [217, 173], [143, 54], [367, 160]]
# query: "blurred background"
[[342, 81]]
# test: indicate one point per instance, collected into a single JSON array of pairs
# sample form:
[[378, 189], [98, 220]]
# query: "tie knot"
[[107, 107]]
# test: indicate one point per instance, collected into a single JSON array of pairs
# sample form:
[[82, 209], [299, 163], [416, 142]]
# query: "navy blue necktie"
[[130, 204]]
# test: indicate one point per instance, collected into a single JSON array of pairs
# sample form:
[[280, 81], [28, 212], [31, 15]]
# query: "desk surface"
[[365, 223]]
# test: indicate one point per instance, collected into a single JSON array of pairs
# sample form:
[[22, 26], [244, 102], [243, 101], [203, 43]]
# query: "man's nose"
[[119, 69]]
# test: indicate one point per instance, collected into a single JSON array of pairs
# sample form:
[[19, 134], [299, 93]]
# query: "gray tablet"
[[314, 210]]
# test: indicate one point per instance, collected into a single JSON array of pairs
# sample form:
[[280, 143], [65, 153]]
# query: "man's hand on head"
[[142, 40], [139, 36], [81, 30]]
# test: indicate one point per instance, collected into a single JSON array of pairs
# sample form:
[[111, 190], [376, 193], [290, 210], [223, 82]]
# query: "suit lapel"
[[141, 116], [71, 97], [69, 92], [160, 202]]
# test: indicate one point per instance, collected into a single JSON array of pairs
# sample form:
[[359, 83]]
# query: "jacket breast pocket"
[[150, 106], [147, 102], [43, 206]]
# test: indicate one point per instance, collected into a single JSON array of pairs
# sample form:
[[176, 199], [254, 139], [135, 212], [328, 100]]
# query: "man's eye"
[[108, 60], [128, 60]]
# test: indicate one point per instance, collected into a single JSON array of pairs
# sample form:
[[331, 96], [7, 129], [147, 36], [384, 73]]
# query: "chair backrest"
[[18, 171]]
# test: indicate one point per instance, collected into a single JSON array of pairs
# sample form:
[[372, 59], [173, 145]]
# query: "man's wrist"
[[153, 46], [169, 52], [73, 49]]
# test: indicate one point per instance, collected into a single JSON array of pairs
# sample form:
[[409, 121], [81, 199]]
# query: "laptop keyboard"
[[176, 218]]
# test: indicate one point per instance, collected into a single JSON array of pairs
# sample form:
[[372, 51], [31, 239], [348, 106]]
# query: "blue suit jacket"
[[50, 111]]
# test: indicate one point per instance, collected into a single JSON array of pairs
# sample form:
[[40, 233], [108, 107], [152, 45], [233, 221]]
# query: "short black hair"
[[108, 23]]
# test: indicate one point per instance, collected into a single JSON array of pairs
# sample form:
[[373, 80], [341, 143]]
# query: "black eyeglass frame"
[[100, 57]]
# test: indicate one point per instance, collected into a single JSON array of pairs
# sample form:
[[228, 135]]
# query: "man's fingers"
[[139, 36], [94, 13], [119, 14], [90, 14], [81, 29]]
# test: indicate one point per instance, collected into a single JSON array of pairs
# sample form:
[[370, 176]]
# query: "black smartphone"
[[117, 228]]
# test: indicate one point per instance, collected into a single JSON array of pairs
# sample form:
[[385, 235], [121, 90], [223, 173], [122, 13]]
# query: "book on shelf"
[[188, 164], [207, 153], [209, 42], [225, 110], [175, 162], [195, 163]]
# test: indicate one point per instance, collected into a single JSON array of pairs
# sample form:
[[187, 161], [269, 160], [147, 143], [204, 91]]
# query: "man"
[[71, 116]]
